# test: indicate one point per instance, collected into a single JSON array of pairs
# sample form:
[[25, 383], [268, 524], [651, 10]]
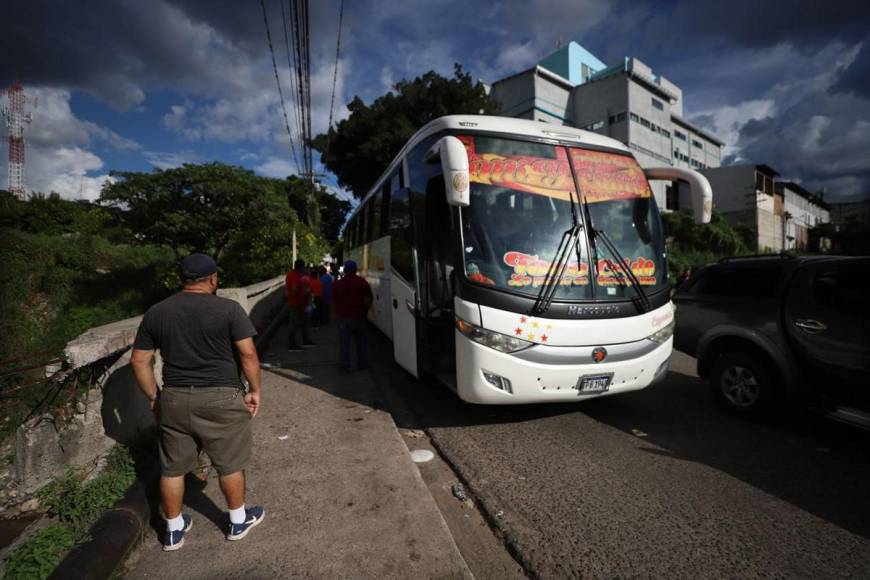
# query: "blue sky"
[[134, 85]]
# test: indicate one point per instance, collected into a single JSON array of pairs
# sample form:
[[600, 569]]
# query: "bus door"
[[403, 279], [436, 251]]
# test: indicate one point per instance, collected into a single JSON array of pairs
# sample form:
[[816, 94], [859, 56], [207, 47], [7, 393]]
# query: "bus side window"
[[350, 234], [385, 209], [401, 234], [364, 223], [375, 215]]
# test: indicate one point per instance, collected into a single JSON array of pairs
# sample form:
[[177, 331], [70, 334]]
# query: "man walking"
[[203, 401], [352, 297], [298, 299], [326, 281]]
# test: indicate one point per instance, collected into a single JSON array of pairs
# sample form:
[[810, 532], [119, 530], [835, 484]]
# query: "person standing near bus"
[[203, 402], [352, 297], [317, 296], [298, 299], [326, 281]]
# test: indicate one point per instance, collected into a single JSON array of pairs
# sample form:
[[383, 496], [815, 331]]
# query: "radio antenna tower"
[[16, 118]]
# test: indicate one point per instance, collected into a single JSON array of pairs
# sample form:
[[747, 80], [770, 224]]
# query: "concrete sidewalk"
[[343, 498]]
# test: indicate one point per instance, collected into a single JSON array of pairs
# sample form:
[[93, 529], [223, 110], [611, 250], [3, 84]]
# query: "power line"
[[294, 88], [278, 82], [334, 81]]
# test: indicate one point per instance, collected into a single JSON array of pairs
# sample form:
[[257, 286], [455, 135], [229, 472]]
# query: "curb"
[[113, 536]]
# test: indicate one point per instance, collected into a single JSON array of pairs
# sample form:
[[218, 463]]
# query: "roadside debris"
[[459, 491], [415, 433], [283, 437], [422, 455], [638, 433]]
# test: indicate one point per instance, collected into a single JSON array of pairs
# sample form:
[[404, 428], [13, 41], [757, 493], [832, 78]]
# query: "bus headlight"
[[663, 333], [495, 340]]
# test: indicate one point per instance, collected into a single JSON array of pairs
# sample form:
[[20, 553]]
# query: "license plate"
[[594, 383]]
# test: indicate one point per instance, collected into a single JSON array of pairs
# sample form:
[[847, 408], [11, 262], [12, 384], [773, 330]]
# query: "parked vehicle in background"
[[764, 329]]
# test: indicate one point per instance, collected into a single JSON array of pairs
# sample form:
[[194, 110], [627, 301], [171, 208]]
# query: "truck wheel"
[[743, 384]]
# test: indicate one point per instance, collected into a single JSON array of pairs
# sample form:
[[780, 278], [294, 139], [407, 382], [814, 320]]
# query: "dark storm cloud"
[[856, 79], [118, 49]]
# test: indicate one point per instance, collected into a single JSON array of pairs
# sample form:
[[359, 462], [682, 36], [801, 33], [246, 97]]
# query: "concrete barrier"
[[115, 410]]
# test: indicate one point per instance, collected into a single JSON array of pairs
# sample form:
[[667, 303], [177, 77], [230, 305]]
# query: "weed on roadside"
[[77, 505]]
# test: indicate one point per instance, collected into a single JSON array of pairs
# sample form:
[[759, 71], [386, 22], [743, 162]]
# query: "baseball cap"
[[350, 266], [197, 266]]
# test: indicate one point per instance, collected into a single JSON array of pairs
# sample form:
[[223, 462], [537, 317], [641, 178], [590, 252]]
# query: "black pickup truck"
[[764, 329]]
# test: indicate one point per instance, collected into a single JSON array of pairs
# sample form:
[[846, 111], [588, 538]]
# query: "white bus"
[[520, 262]]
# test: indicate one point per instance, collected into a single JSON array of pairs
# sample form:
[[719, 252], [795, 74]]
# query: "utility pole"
[[16, 118]]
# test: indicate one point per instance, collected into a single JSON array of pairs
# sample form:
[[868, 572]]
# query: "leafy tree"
[[193, 208], [333, 212], [362, 146], [691, 245], [851, 237]]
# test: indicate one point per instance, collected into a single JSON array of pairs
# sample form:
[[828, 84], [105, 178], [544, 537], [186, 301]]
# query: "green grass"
[[76, 505]]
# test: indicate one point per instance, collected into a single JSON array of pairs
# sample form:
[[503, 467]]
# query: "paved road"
[[657, 483]]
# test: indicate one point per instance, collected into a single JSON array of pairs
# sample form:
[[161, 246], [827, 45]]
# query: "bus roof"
[[493, 124], [511, 126]]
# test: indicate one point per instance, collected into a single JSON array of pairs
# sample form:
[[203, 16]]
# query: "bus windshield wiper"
[[570, 241], [642, 297]]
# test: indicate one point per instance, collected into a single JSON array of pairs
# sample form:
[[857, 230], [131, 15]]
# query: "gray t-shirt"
[[195, 335]]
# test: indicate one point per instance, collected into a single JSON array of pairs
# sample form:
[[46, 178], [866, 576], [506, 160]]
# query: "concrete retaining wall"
[[115, 410]]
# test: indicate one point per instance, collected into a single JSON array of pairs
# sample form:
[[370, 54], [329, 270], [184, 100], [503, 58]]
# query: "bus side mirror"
[[702, 193], [454, 165]]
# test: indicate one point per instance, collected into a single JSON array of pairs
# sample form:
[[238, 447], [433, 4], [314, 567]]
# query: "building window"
[[657, 104], [635, 118], [666, 133], [620, 117], [680, 136], [644, 122], [672, 197], [697, 144], [654, 127]]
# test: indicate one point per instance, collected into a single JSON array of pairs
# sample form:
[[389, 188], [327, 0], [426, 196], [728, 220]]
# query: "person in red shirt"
[[298, 298], [352, 297], [317, 293]]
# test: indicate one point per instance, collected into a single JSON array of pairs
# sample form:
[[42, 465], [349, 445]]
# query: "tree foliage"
[[362, 146], [850, 238], [691, 245], [192, 208]]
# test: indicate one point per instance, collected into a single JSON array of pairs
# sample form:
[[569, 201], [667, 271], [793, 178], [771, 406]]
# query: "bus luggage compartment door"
[[404, 305]]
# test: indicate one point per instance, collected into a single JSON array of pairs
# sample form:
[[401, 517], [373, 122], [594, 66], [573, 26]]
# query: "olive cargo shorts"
[[213, 418]]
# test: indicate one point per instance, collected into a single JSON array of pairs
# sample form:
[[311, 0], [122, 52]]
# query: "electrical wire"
[[334, 82], [278, 82]]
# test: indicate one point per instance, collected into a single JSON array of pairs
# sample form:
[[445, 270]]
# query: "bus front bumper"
[[480, 369]]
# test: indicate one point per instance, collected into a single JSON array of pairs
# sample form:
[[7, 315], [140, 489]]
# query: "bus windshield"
[[521, 205]]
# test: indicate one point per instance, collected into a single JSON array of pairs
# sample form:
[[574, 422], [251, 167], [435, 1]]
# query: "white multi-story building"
[[626, 101], [804, 210], [779, 213]]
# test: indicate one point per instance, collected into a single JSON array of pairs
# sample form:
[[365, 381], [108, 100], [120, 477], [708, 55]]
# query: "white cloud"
[[727, 121], [64, 170], [54, 122], [275, 167], [171, 159]]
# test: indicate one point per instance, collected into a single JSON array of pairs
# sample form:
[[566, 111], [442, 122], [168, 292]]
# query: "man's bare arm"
[[251, 367], [144, 373]]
